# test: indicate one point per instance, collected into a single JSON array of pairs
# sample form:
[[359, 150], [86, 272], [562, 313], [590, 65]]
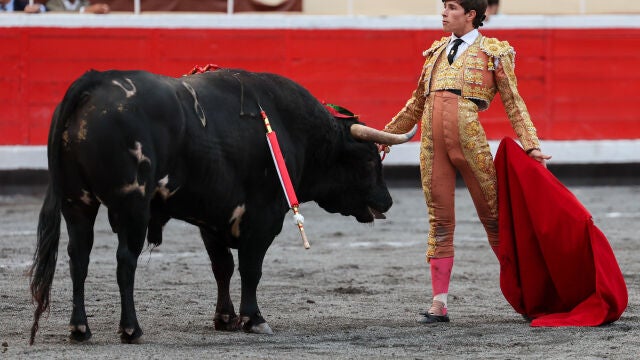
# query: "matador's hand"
[[538, 156], [383, 148], [97, 9]]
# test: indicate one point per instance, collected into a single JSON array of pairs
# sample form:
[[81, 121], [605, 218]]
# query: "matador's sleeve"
[[411, 113], [513, 103]]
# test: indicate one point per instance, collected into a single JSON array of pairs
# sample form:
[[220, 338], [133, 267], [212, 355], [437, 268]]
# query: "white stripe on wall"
[[563, 152]]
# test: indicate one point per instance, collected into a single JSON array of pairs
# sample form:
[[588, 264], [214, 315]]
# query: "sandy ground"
[[354, 294]]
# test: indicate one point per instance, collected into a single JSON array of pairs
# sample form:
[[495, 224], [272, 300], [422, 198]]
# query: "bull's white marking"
[[263, 328], [82, 130], [163, 190], [235, 219], [137, 153], [140, 157], [196, 104], [135, 186], [127, 92], [86, 197], [65, 139], [80, 328]]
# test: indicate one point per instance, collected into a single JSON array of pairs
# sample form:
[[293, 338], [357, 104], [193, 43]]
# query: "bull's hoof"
[[255, 325], [226, 322], [79, 333], [263, 328], [130, 335]]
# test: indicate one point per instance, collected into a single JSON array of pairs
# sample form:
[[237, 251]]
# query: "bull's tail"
[[48, 235], [44, 259]]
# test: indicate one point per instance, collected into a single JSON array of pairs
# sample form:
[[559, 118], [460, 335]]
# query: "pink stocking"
[[440, 276]]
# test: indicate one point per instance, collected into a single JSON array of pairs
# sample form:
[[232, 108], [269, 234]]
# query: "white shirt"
[[467, 40], [72, 6], [8, 7]]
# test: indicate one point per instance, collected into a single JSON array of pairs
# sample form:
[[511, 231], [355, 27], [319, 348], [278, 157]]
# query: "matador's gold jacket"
[[478, 76]]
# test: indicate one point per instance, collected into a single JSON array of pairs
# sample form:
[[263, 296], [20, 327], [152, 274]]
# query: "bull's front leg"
[[250, 267]]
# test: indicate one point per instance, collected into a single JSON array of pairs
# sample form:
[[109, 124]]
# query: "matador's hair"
[[480, 7]]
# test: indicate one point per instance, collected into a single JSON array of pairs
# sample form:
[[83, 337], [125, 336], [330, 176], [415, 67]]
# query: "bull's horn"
[[366, 133]]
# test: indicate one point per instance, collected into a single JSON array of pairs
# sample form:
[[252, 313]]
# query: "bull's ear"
[[339, 112], [366, 133]]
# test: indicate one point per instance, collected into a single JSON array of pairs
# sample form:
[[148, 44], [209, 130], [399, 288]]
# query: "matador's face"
[[455, 20]]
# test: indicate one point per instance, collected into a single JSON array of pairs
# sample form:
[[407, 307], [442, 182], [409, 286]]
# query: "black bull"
[[151, 148]]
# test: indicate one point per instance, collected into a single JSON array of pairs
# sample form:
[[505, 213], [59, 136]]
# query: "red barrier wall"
[[577, 83]]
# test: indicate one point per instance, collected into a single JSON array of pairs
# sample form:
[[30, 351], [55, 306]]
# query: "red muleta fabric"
[[556, 267]]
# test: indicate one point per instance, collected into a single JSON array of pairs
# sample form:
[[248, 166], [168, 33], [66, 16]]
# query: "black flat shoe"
[[427, 318]]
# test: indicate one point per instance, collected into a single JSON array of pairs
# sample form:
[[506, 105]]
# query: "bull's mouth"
[[376, 214]]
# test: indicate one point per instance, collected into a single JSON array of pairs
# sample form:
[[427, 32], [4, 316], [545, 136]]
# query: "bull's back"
[[226, 149]]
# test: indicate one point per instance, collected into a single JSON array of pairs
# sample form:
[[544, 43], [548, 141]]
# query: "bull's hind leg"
[[222, 265], [132, 218], [80, 215]]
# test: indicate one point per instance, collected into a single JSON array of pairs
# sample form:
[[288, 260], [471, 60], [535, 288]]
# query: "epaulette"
[[496, 48], [435, 46]]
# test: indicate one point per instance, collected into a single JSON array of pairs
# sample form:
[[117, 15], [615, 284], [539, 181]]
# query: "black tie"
[[454, 50]]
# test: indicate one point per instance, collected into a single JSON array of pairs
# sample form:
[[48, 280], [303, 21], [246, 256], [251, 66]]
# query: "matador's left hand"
[[538, 156], [383, 148]]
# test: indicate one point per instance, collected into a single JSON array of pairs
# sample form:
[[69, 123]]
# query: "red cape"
[[556, 266]]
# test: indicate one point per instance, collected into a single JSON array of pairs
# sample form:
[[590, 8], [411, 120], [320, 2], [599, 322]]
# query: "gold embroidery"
[[482, 94], [447, 76], [514, 105], [475, 74], [426, 171], [495, 48], [433, 54], [468, 73], [436, 45], [477, 152], [475, 63], [472, 129]]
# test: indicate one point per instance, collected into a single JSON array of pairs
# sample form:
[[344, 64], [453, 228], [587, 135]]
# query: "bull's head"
[[357, 187]]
